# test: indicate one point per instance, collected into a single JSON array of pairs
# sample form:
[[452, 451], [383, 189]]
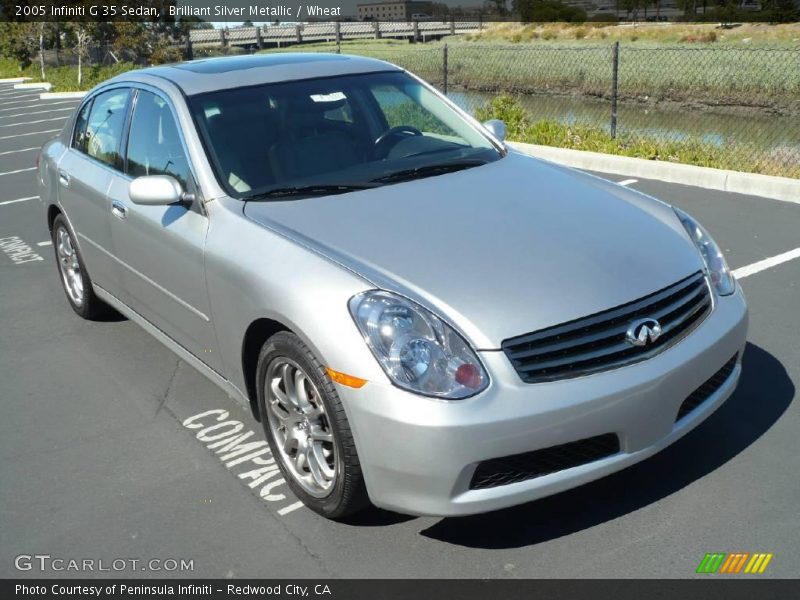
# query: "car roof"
[[212, 74]]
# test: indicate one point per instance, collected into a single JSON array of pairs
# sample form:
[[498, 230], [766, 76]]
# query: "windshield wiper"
[[429, 170], [319, 189]]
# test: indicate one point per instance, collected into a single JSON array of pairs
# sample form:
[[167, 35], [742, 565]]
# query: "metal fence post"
[[614, 87], [444, 69], [189, 51], [337, 28]]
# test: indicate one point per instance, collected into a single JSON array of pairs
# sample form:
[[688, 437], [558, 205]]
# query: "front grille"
[[705, 391], [529, 465], [597, 343]]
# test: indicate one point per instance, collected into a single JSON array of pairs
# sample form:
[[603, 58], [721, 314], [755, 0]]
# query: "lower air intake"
[[705, 391], [529, 465]]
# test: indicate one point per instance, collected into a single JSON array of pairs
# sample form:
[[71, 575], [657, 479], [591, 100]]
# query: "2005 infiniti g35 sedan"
[[419, 316]]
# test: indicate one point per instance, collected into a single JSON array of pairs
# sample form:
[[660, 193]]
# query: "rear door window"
[[79, 134]]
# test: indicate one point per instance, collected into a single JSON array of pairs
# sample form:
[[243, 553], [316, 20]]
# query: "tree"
[[535, 11], [19, 41], [498, 7], [248, 23], [41, 48], [726, 10], [785, 11], [82, 37]]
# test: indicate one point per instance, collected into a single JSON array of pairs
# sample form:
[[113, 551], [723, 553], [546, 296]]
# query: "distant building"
[[397, 10]]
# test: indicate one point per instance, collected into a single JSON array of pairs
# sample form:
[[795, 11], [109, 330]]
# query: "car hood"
[[499, 250]]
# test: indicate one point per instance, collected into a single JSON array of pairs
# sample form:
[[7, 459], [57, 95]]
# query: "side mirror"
[[157, 190], [497, 128]]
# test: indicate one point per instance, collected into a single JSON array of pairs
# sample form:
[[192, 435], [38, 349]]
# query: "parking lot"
[[113, 448]]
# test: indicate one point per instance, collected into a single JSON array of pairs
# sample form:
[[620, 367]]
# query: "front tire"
[[307, 429], [74, 277]]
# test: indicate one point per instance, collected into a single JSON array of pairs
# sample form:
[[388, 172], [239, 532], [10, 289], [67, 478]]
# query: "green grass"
[[522, 127], [740, 34], [690, 74], [65, 79]]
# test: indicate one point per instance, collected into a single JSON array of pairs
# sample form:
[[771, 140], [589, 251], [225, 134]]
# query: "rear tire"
[[307, 429], [74, 277]]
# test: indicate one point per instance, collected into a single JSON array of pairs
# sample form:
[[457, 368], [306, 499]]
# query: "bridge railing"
[[242, 36]]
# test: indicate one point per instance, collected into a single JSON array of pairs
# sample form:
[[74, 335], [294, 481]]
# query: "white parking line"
[[18, 171], [627, 181], [38, 112], [5, 104], [12, 93], [41, 103], [767, 263], [45, 243], [20, 150], [37, 121], [18, 200], [292, 507], [6, 137]]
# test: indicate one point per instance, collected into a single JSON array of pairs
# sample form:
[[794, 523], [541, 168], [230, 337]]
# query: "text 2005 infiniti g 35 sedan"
[[419, 316]]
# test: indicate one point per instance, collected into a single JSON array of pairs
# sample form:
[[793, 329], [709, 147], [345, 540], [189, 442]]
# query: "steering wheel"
[[381, 146]]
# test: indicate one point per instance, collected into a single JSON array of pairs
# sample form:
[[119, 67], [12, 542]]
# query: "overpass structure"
[[327, 32]]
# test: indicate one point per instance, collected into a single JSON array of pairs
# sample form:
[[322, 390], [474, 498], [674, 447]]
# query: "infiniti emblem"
[[643, 332]]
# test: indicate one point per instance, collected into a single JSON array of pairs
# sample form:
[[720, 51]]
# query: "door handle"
[[63, 177], [119, 210]]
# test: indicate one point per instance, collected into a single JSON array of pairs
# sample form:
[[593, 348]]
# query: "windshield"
[[332, 135]]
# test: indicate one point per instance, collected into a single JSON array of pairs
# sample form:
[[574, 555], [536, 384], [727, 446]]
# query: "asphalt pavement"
[[104, 439]]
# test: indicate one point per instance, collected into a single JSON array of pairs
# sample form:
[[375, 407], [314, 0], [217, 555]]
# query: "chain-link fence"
[[733, 108], [727, 107]]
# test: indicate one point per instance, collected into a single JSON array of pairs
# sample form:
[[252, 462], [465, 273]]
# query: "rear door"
[[84, 176], [161, 248]]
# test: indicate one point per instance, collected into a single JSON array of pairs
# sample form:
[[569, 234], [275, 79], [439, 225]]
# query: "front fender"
[[253, 272]]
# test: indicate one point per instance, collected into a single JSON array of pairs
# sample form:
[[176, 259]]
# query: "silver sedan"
[[420, 316]]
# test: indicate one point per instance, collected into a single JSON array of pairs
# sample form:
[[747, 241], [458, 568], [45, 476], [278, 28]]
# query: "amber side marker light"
[[345, 379]]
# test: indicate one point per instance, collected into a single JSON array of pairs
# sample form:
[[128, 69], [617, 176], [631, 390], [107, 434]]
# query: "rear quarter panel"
[[47, 174]]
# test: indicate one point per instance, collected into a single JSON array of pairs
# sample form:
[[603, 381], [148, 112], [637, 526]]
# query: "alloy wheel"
[[69, 265], [300, 427]]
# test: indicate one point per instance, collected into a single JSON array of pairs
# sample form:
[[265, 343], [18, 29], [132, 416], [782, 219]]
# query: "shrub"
[[506, 108]]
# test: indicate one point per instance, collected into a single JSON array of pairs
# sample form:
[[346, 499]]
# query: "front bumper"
[[418, 455]]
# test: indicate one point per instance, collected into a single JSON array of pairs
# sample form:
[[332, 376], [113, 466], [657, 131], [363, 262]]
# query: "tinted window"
[[79, 137], [350, 129], [399, 108], [154, 146], [104, 130]]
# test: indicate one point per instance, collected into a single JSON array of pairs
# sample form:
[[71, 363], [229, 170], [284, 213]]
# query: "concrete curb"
[[14, 79], [55, 95], [33, 86], [776, 188]]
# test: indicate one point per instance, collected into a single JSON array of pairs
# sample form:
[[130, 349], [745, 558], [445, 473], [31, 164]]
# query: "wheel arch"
[[52, 212], [258, 332]]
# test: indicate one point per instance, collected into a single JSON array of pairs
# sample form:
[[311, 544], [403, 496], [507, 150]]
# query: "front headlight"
[[418, 351], [718, 270]]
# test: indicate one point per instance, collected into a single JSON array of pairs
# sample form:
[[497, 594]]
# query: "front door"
[[160, 248]]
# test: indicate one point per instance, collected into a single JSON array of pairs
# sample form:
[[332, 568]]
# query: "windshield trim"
[[210, 153]]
